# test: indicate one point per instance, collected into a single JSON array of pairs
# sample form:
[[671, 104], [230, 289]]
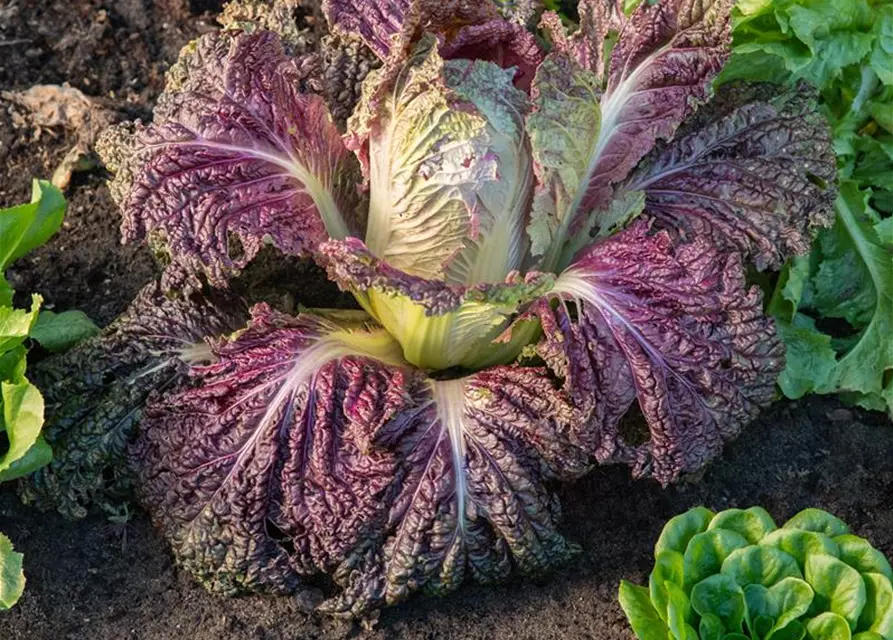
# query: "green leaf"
[[680, 529], [760, 604], [27, 226], [12, 365], [643, 618], [782, 604], [792, 281], [868, 635], [38, 455], [798, 544], [842, 287], [836, 32], [877, 615], [753, 524], [884, 230], [838, 588], [818, 521], [792, 631], [22, 420], [12, 578], [720, 596], [667, 568], [711, 627], [882, 53], [61, 331], [809, 359], [563, 127], [760, 565], [864, 367], [707, 551], [793, 598], [828, 626], [678, 612], [16, 324], [861, 556]]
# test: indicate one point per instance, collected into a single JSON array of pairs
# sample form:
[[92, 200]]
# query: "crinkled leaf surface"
[[563, 127], [746, 172], [448, 170], [662, 65], [302, 452], [672, 326], [507, 44], [95, 392], [388, 26], [238, 149]]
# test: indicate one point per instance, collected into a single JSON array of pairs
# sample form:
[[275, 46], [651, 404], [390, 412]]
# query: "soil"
[[99, 580]]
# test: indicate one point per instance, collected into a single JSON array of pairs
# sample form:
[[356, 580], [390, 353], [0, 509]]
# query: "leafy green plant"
[[834, 307], [735, 575], [22, 228]]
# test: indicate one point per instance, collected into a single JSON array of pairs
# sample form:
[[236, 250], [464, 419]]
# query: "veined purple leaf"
[[272, 444], [751, 171], [586, 45], [672, 325], [470, 499], [237, 150], [663, 63], [388, 26], [95, 392], [504, 43], [298, 452]]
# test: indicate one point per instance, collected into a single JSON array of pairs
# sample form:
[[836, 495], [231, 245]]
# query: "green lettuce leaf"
[[61, 331], [12, 579], [27, 226]]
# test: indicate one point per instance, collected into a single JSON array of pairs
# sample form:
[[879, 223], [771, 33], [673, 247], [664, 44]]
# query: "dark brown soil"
[[97, 580]]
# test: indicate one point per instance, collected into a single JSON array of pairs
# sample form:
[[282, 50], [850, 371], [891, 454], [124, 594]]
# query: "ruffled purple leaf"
[[673, 326], [353, 267], [95, 392], [293, 455], [389, 26], [585, 140], [272, 444], [598, 18], [238, 151], [504, 43], [752, 172], [470, 499], [662, 66]]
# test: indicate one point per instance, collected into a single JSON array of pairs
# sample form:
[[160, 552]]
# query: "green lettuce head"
[[735, 575]]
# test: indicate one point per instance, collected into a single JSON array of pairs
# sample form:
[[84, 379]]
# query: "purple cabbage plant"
[[541, 230]]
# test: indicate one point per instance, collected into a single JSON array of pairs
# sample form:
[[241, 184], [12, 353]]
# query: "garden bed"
[[96, 579]]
